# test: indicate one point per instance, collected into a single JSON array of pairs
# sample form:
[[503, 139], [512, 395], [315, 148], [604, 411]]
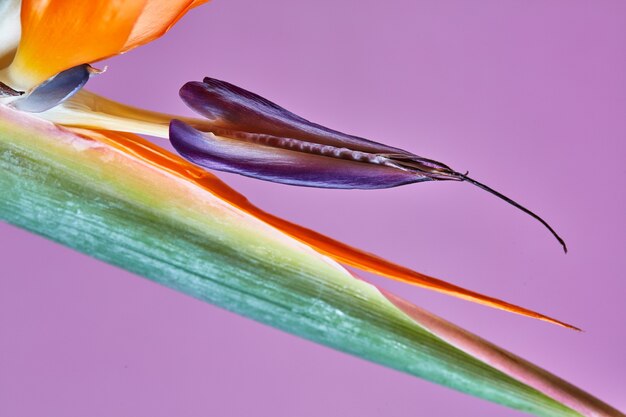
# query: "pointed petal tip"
[[561, 323], [57, 34], [156, 19]]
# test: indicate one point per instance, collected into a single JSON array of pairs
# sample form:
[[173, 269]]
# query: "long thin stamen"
[[472, 181], [442, 171]]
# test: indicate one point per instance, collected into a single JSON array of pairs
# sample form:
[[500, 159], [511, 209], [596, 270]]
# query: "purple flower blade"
[[232, 107], [260, 139], [282, 165], [250, 135]]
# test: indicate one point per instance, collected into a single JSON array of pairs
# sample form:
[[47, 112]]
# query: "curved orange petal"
[[334, 249], [156, 19], [60, 34]]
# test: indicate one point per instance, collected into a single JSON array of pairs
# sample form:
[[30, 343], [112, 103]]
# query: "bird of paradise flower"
[[88, 181]]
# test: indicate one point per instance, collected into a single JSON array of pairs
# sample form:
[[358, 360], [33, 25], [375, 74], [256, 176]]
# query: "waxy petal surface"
[[61, 34], [232, 107], [252, 136], [282, 165]]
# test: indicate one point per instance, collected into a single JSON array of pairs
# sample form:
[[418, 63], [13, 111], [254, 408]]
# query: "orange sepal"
[[156, 19], [341, 252], [60, 34]]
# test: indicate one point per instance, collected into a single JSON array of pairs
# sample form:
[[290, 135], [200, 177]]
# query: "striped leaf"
[[101, 199]]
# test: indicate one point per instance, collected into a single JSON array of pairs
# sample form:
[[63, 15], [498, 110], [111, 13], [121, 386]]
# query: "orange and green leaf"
[[332, 248], [95, 193]]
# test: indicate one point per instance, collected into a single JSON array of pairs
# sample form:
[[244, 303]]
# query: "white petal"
[[10, 30]]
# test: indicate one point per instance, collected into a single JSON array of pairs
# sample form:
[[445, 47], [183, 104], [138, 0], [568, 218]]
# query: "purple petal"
[[268, 158], [232, 107], [260, 139]]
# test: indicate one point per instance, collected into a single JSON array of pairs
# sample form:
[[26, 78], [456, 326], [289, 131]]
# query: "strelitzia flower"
[[74, 170]]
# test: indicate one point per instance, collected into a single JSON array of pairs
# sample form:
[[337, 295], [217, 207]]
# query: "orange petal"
[[60, 34], [157, 18], [339, 251]]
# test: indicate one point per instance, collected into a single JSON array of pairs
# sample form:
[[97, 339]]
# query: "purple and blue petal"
[[282, 165], [55, 90], [252, 136], [232, 107]]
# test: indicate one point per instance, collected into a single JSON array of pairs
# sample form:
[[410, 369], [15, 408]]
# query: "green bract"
[[116, 207]]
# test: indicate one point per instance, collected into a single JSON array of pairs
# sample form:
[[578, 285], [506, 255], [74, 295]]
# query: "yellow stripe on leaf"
[[340, 252]]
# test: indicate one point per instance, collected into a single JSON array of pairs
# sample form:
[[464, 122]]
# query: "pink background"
[[529, 96]]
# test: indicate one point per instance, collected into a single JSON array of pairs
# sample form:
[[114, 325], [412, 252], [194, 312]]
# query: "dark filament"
[[436, 168], [6, 91], [464, 177], [239, 113], [423, 166]]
